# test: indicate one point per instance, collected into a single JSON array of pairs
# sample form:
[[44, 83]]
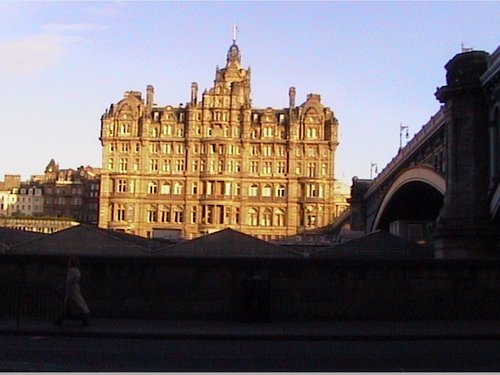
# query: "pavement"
[[279, 330]]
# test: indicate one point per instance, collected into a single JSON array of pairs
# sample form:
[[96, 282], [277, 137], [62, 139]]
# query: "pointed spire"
[[233, 55]]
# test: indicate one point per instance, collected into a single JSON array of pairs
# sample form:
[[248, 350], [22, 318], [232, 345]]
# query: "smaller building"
[[65, 195], [71, 193]]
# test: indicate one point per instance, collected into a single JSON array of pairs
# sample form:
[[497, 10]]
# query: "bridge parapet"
[[435, 123]]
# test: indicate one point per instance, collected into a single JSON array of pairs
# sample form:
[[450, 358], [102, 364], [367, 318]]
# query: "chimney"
[[150, 93], [194, 93], [291, 94]]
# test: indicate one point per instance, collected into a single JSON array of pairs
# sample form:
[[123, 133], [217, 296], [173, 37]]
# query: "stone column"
[[462, 226]]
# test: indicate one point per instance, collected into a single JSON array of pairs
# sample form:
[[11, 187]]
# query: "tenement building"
[[188, 170]]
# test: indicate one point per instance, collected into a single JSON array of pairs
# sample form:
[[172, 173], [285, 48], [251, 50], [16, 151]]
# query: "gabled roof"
[[227, 243], [10, 237], [378, 244], [84, 240]]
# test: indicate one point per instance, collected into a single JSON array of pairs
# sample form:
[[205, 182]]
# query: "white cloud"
[[32, 54]]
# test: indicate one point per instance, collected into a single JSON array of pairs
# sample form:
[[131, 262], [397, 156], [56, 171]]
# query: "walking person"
[[73, 299]]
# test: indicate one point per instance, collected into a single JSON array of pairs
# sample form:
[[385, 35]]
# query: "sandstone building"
[[188, 170]]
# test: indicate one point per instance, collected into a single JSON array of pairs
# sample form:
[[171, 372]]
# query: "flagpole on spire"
[[235, 30]]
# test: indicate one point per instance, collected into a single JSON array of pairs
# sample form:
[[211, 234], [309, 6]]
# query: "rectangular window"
[[324, 169], [227, 189], [123, 165], [211, 166], [122, 186], [254, 167], [268, 167], [194, 166], [167, 165], [280, 150], [154, 148], [179, 165], [298, 169], [280, 167], [153, 165], [311, 169], [268, 150], [209, 188], [194, 215], [236, 215]]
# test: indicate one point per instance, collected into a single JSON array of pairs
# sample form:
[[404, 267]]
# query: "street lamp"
[[372, 165], [401, 128]]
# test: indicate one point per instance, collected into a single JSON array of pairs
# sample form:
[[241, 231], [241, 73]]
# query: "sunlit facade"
[[188, 170]]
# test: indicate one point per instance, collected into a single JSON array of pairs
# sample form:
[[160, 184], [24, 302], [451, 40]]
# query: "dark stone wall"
[[279, 289]]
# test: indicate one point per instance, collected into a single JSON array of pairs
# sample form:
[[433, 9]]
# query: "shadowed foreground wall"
[[258, 289]]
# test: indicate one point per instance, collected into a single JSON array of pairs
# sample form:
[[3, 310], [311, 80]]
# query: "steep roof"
[[227, 243], [378, 244], [10, 237], [85, 240]]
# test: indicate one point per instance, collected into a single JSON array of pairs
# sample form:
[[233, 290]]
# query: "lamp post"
[[401, 128], [372, 169]]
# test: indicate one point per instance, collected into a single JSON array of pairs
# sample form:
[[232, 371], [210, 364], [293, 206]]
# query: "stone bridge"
[[441, 189]]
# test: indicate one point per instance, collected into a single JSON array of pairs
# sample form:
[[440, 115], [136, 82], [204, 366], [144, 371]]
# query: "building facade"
[[70, 193], [20, 199], [214, 163]]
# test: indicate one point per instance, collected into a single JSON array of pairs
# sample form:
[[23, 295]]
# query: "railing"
[[434, 124]]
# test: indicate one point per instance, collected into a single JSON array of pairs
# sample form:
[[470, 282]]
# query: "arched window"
[[164, 214], [253, 191], [178, 214], [280, 191], [266, 217], [178, 188], [253, 217], [120, 212], [151, 214], [267, 190], [166, 188], [279, 218], [152, 188]]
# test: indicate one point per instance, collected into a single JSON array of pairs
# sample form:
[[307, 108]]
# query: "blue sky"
[[375, 64]]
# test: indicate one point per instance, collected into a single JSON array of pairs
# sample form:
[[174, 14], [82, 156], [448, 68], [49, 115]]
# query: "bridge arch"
[[417, 191]]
